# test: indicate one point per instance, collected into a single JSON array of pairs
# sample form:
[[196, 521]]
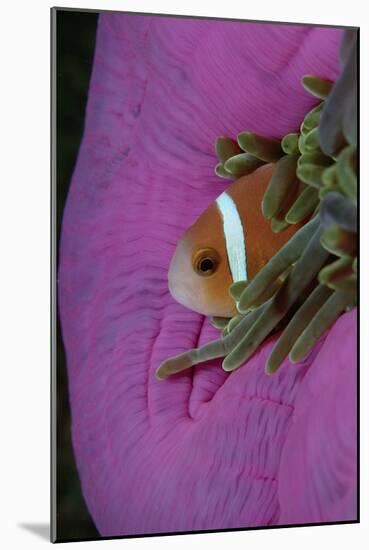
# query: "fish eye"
[[206, 262]]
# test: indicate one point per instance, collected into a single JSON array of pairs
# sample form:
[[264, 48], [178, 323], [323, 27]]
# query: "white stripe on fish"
[[234, 237]]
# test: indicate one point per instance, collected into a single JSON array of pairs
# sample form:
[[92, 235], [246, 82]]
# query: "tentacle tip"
[[294, 358], [266, 210], [245, 133], [227, 367], [241, 309], [270, 368], [160, 373]]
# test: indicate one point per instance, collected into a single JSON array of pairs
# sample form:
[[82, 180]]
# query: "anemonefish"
[[230, 242]]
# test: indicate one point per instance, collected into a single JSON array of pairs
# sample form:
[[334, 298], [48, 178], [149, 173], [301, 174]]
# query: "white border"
[[24, 220]]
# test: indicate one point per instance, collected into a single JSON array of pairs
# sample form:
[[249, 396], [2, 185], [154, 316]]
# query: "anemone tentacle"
[[314, 182]]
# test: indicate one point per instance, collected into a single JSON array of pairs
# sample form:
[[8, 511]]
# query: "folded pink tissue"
[[205, 449]]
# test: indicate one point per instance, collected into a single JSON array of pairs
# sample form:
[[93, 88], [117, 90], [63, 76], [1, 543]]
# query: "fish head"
[[229, 242], [199, 275]]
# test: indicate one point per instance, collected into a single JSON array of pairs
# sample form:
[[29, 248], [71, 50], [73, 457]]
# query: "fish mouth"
[[197, 302]]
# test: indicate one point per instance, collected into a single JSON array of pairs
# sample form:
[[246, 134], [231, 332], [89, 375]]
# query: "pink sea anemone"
[[204, 449]]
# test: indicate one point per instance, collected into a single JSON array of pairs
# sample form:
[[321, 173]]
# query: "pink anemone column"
[[204, 449]]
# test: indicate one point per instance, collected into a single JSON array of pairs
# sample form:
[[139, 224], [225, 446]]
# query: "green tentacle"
[[312, 279]]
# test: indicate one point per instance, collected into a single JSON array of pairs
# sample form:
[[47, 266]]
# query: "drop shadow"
[[42, 530]]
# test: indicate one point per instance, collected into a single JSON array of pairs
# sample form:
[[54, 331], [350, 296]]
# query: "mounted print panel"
[[206, 217]]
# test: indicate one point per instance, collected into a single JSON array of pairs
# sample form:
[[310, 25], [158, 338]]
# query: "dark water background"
[[75, 39]]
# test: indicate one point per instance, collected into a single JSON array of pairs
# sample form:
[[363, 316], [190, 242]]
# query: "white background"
[[24, 284]]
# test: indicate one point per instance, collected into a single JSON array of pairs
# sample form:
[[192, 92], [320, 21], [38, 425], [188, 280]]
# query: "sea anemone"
[[314, 181], [205, 449]]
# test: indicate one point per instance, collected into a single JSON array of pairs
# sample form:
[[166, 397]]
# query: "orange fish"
[[230, 242]]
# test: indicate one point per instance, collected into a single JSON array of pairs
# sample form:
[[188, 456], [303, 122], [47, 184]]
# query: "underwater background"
[[75, 47]]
